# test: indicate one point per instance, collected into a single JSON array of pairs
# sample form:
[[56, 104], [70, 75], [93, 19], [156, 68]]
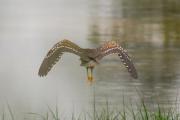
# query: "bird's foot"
[[90, 80], [90, 75]]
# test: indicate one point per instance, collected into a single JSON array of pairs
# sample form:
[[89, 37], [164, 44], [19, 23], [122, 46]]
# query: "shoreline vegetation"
[[129, 112]]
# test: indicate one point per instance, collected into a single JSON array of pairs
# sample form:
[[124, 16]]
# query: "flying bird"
[[89, 57]]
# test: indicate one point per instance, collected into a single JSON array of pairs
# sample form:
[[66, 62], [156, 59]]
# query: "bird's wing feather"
[[114, 48], [55, 54]]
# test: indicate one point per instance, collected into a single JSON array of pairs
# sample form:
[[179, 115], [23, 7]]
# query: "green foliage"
[[105, 113]]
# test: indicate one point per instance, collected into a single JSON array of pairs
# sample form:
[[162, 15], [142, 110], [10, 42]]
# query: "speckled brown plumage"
[[89, 57]]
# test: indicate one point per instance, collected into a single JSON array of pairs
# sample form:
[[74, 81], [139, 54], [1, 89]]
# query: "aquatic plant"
[[142, 112]]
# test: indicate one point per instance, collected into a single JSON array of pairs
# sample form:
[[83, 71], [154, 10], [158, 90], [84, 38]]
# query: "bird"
[[89, 57]]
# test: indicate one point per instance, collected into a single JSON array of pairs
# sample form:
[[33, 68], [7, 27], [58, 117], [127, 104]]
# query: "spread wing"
[[55, 54], [114, 48]]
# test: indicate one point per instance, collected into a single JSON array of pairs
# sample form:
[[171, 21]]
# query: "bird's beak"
[[89, 74]]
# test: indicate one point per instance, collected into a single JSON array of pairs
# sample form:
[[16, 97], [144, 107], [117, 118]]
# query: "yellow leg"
[[90, 75]]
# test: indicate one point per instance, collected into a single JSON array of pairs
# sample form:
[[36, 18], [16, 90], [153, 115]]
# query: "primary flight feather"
[[89, 57]]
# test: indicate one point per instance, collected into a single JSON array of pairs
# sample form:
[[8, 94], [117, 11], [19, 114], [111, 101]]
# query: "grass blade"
[[10, 111]]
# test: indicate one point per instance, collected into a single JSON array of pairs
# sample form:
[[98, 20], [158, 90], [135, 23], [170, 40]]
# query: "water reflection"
[[149, 29]]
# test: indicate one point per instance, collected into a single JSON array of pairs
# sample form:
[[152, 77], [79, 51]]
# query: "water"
[[148, 29]]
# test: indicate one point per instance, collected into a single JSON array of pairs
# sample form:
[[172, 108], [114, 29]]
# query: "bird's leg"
[[89, 74]]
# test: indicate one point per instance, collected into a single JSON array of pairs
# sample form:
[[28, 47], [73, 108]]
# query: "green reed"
[[142, 112]]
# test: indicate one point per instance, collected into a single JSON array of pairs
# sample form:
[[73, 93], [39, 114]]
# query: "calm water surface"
[[148, 29]]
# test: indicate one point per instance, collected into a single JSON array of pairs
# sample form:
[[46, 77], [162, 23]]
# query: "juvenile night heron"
[[89, 57]]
